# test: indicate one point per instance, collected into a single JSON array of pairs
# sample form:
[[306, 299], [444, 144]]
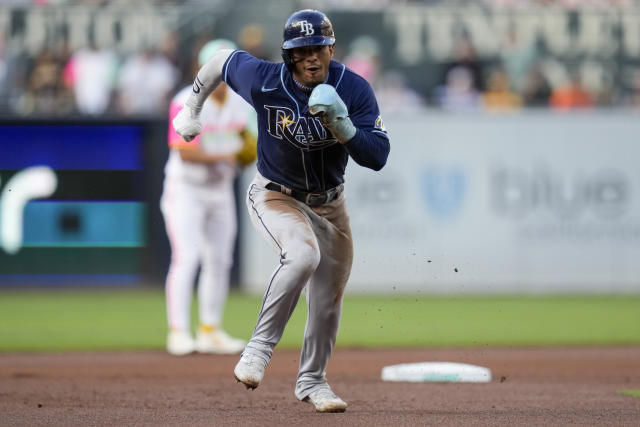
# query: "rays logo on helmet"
[[306, 28], [380, 125]]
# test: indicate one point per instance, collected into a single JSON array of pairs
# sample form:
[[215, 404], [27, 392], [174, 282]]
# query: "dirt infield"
[[537, 386]]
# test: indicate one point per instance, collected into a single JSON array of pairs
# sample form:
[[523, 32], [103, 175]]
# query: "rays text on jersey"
[[305, 132]]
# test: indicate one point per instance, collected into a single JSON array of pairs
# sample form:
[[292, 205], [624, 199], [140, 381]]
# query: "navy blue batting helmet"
[[308, 27]]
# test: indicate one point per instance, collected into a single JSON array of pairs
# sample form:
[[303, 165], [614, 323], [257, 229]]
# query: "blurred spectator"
[[46, 93], [251, 40], [14, 72], [633, 99], [536, 91], [90, 72], [45, 74], [168, 48], [146, 82], [394, 95], [517, 56], [465, 58], [4, 74], [571, 95], [363, 57], [459, 93], [499, 96], [392, 92], [597, 78]]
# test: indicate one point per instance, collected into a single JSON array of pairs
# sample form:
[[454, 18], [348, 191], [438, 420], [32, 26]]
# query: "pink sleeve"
[[176, 140]]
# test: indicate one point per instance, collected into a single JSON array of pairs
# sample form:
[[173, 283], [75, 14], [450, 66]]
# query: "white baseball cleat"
[[325, 400], [180, 343], [250, 370], [217, 341]]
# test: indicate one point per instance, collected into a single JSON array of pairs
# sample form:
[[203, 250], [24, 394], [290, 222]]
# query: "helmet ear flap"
[[288, 60]]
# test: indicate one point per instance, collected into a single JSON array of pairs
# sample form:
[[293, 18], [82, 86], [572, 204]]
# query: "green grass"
[[632, 393], [62, 320]]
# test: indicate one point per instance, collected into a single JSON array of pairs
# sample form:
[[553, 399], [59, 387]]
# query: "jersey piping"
[[226, 69], [285, 89], [344, 67]]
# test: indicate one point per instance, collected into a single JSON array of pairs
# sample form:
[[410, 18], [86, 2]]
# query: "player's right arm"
[[190, 151], [236, 68], [187, 122]]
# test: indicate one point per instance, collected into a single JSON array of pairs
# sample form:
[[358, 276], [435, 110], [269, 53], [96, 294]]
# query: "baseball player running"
[[198, 205], [313, 114]]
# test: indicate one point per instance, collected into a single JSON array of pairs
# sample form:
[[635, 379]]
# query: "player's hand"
[[187, 123], [325, 102]]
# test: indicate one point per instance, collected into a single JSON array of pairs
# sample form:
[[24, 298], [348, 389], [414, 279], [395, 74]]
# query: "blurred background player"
[[198, 205]]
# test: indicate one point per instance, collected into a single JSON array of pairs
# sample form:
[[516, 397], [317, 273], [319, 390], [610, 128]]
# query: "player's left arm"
[[370, 145], [358, 127]]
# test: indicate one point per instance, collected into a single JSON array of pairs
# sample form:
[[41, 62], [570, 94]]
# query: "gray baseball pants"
[[316, 250]]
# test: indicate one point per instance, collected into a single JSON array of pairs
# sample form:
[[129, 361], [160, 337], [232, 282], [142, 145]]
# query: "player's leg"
[[213, 285], [182, 215], [218, 239], [283, 224], [324, 300]]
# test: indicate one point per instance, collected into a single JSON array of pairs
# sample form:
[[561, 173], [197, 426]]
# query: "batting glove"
[[326, 102], [187, 122]]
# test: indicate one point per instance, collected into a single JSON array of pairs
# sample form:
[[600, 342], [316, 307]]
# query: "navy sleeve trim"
[[341, 75], [225, 67], [381, 133]]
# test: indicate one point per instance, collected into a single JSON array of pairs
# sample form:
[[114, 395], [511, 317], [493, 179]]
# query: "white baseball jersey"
[[221, 124]]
